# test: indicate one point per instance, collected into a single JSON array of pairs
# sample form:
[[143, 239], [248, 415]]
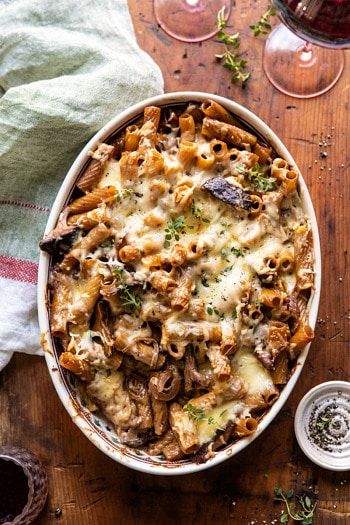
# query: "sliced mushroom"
[[224, 437], [60, 239], [137, 389], [224, 191], [133, 438], [160, 415], [146, 350], [288, 312], [166, 445], [192, 375], [232, 388], [165, 385], [101, 326], [278, 340]]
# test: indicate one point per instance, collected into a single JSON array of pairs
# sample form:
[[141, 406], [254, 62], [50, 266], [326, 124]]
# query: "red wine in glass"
[[291, 63], [323, 22]]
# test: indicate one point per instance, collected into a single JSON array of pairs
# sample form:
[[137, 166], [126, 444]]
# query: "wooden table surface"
[[89, 487]]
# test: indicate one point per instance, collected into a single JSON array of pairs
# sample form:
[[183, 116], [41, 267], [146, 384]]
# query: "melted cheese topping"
[[217, 419], [111, 175], [254, 375]]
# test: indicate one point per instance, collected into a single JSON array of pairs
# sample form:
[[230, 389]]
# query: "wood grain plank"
[[92, 489]]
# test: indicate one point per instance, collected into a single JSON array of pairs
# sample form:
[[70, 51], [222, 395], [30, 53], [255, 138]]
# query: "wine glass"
[[190, 20], [293, 65]]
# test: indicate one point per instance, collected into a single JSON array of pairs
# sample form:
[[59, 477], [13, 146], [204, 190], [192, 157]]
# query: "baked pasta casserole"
[[181, 274]]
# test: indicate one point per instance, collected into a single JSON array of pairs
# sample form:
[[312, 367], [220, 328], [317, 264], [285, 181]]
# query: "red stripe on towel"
[[18, 269], [20, 204]]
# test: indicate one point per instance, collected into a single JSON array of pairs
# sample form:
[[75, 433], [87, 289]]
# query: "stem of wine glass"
[[298, 68], [306, 52], [307, 47], [190, 20]]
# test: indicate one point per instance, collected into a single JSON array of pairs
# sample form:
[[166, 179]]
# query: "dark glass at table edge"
[[307, 33]]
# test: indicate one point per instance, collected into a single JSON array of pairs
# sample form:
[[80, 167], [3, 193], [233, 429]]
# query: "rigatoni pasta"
[[180, 278]]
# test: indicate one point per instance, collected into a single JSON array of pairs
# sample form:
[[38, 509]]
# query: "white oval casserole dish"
[[96, 428]]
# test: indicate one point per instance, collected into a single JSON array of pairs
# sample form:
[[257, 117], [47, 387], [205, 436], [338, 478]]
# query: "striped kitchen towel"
[[65, 69]]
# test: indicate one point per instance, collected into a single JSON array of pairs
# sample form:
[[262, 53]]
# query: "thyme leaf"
[[323, 422], [107, 244], [212, 310], [227, 270], [130, 299], [305, 515], [198, 414], [219, 314], [224, 255], [263, 26], [238, 252], [118, 271], [230, 58], [124, 194], [225, 227], [173, 230], [197, 213], [257, 177], [204, 281]]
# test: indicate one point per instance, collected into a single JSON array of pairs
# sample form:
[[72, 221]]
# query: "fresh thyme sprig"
[[305, 515], [204, 280], [323, 422], [198, 414], [263, 26], [238, 252], [211, 310], [124, 194], [197, 213], [118, 271], [230, 59], [257, 177], [225, 227], [130, 299], [107, 244], [174, 228], [224, 255]]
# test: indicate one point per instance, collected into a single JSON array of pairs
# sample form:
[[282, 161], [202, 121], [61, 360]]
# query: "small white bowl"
[[96, 428], [329, 448]]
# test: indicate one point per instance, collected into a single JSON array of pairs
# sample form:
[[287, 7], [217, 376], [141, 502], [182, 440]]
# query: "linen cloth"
[[66, 68]]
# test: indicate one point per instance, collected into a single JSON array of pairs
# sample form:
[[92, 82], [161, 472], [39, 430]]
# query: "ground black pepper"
[[329, 424]]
